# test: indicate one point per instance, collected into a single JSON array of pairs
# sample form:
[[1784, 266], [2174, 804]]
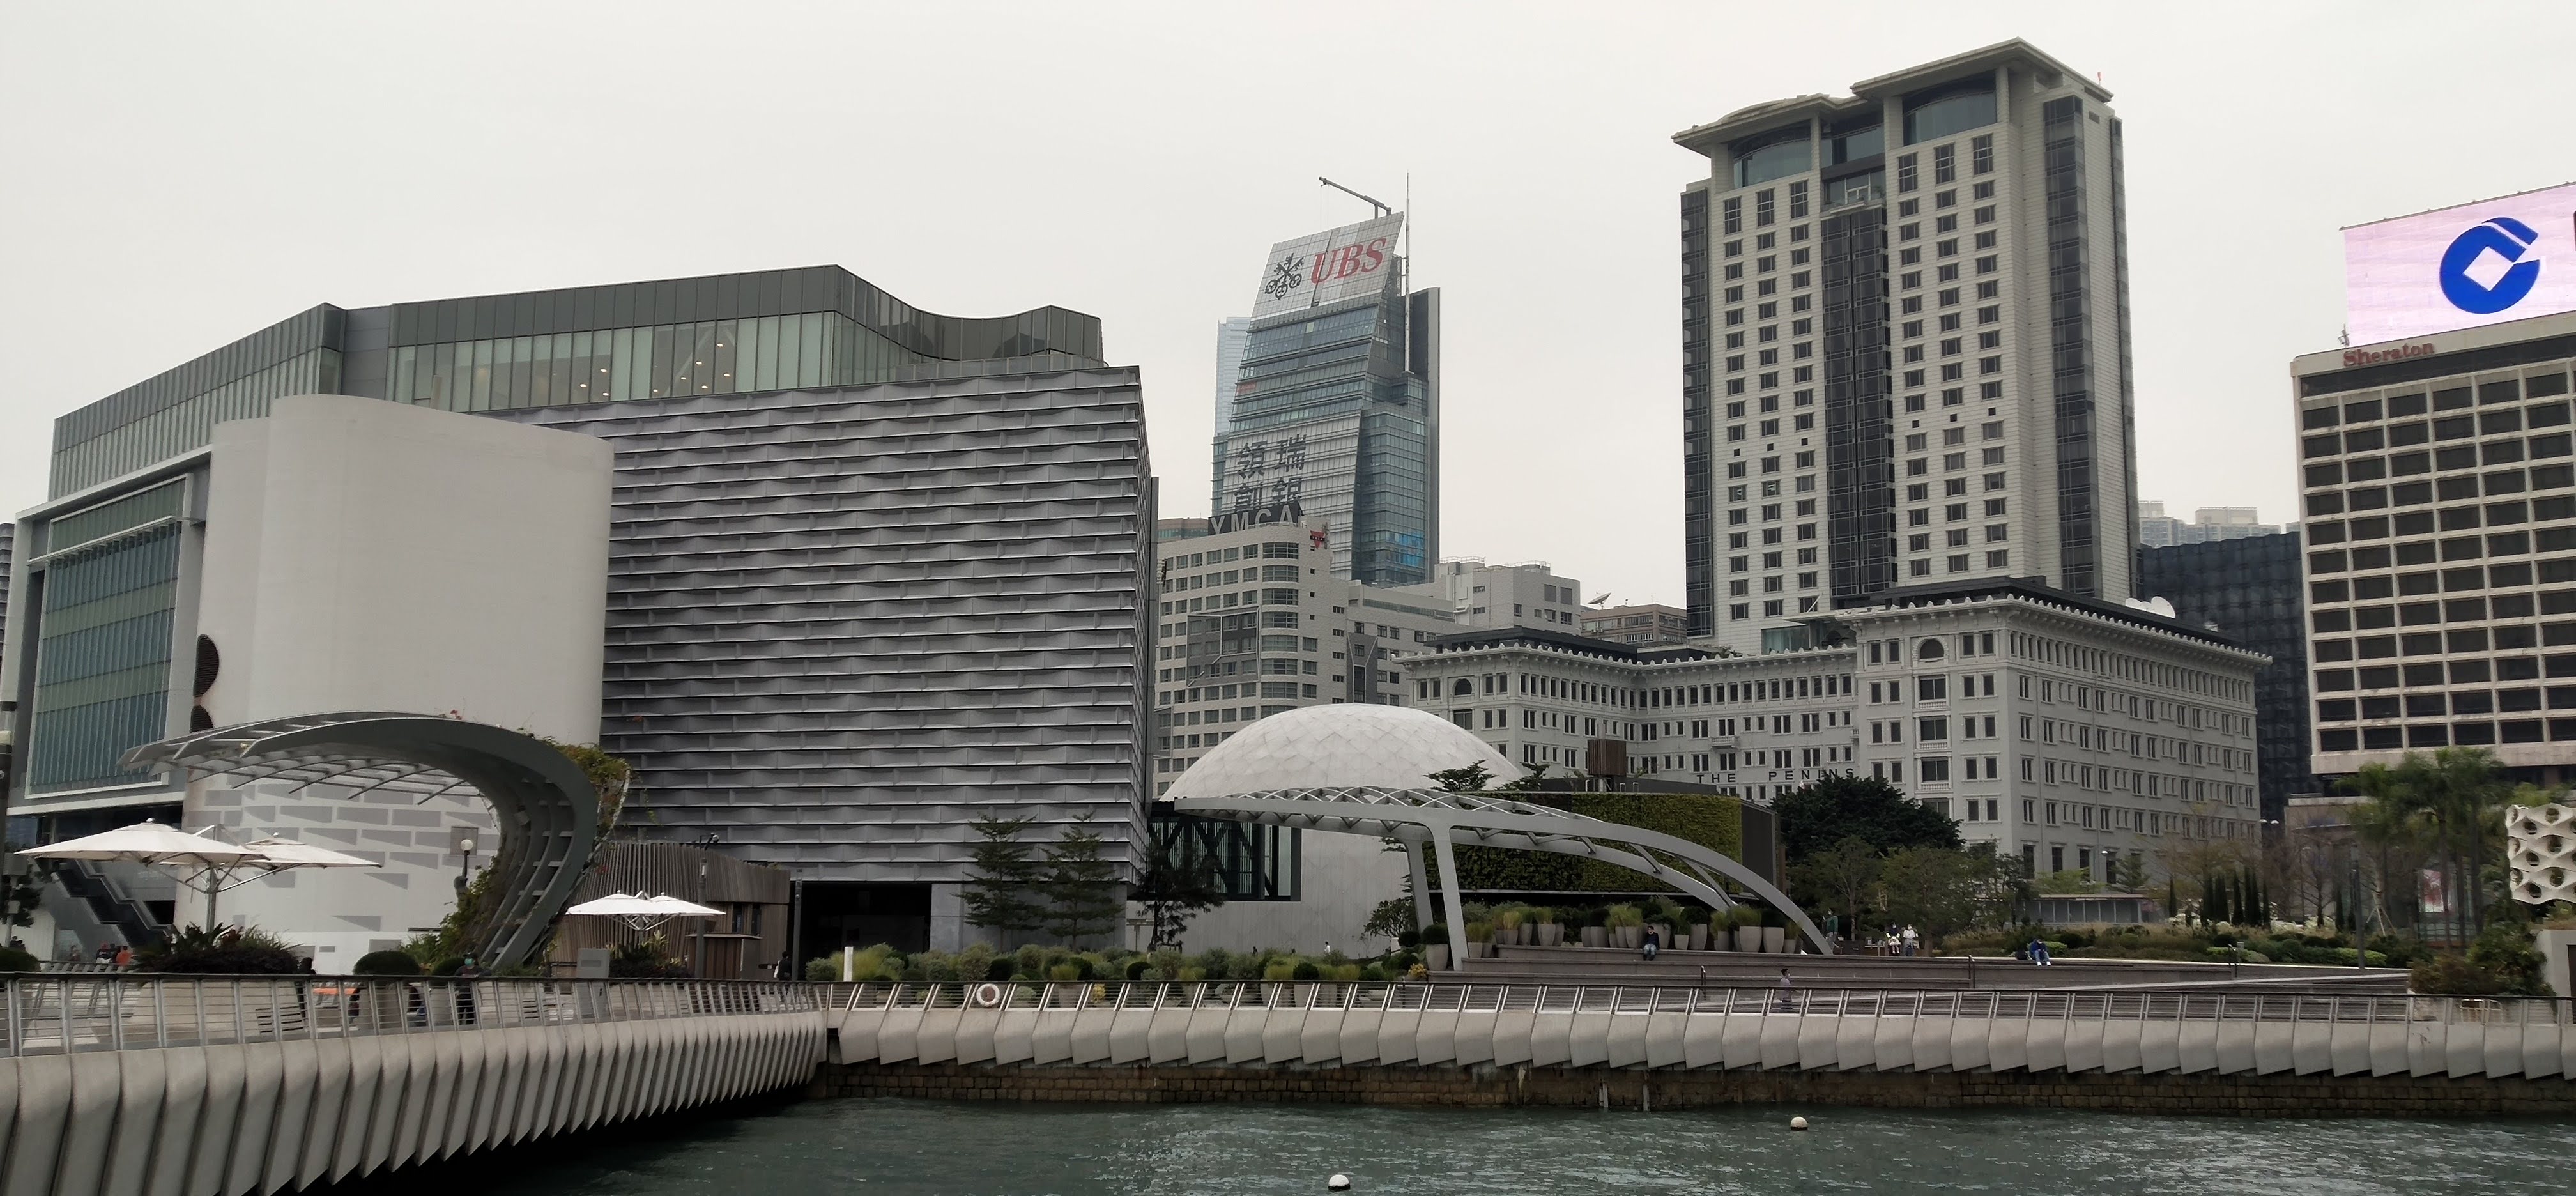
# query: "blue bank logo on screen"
[[2483, 272]]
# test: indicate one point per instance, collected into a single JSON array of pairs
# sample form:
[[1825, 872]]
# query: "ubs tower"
[[1336, 403], [1905, 336]]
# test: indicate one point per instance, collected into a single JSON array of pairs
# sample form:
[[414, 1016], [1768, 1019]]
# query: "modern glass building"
[[100, 651], [1905, 339], [723, 334], [2247, 589], [1337, 403]]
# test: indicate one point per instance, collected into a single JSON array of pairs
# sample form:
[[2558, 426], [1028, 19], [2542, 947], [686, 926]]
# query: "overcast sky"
[[173, 177]]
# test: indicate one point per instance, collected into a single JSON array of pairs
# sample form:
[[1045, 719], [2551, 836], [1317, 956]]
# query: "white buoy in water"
[[1339, 1183], [1797, 1123]]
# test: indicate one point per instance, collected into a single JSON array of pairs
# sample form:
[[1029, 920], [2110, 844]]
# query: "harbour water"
[[918, 1148]]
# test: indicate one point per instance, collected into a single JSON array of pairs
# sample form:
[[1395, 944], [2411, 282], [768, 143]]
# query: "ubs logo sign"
[[2484, 271], [1286, 275]]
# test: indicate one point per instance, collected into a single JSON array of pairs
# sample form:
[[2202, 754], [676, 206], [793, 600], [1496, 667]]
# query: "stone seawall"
[[1489, 1086]]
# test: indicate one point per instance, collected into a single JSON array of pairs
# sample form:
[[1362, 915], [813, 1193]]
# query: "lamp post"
[[461, 841], [706, 845]]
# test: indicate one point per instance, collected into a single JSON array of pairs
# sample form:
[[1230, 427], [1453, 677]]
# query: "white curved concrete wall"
[[1760, 1036], [234, 1119]]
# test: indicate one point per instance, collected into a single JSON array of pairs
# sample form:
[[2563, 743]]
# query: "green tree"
[[1840, 878], [1816, 816], [1471, 778], [1940, 891], [1003, 891], [1081, 887], [2129, 872], [2072, 880], [2450, 802], [1180, 881]]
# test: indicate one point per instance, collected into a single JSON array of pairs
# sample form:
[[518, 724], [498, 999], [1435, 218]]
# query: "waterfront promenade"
[[229, 1086], [2211, 1050]]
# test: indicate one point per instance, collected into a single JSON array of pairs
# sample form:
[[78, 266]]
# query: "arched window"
[[1462, 686], [1928, 650]]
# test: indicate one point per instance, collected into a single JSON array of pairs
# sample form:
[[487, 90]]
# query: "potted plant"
[[1480, 940], [1699, 921], [1435, 946], [1775, 939], [1550, 932], [1746, 927], [1508, 924], [1628, 926]]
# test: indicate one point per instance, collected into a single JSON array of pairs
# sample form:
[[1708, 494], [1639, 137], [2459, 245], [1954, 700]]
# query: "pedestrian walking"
[[1788, 993]]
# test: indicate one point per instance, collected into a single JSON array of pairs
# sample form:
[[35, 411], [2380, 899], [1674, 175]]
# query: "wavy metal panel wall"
[[845, 622]]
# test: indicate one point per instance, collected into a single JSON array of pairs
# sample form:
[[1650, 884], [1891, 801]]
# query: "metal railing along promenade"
[[257, 1084], [76, 1012], [2325, 1006], [2033, 1031]]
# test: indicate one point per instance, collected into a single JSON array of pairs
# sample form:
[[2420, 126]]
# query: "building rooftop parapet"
[[2034, 593], [1712, 138]]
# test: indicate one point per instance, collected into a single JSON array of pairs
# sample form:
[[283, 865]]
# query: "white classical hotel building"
[[2065, 731]]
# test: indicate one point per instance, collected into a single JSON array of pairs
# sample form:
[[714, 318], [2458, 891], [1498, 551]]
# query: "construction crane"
[[1372, 201]]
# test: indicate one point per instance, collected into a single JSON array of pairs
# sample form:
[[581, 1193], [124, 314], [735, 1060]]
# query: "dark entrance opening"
[[832, 914]]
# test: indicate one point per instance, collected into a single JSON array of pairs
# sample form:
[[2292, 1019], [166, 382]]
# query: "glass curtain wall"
[[103, 658], [661, 361], [188, 424]]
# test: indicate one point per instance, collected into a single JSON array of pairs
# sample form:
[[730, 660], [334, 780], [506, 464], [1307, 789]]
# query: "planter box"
[[1748, 938], [1550, 934], [1775, 939], [1596, 936], [1699, 938], [1436, 957], [1631, 937]]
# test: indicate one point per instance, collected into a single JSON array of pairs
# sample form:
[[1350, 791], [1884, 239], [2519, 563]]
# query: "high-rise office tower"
[[2437, 472], [1230, 335], [1905, 341], [1336, 406]]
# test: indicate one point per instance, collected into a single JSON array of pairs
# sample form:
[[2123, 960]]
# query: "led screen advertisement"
[[2481, 263], [1328, 267]]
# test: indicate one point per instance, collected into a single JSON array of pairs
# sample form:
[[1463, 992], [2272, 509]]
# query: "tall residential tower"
[[1905, 345]]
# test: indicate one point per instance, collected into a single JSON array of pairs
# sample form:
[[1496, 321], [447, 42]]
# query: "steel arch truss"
[[1442, 819], [547, 810]]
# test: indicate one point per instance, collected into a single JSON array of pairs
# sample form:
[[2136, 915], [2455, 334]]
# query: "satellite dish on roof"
[[1598, 600]]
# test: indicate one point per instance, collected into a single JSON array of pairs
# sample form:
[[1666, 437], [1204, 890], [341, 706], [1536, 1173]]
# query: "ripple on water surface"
[[920, 1148]]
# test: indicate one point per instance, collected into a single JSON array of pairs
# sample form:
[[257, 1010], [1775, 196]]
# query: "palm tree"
[[2446, 800]]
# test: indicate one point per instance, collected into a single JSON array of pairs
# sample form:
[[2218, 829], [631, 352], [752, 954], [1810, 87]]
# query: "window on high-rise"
[[1734, 217], [1905, 181], [1945, 167], [1981, 153], [1949, 109]]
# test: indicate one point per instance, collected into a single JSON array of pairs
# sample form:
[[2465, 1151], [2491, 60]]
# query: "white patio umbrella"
[[210, 864], [640, 913]]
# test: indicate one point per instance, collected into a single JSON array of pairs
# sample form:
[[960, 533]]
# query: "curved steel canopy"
[[546, 807], [1440, 818]]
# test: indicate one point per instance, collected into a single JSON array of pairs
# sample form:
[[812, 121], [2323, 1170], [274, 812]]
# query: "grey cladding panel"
[[843, 623]]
